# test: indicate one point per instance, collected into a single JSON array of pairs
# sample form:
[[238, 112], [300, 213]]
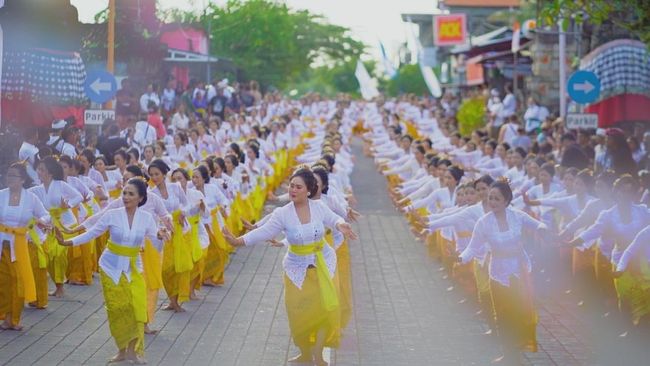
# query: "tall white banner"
[[427, 73], [366, 84]]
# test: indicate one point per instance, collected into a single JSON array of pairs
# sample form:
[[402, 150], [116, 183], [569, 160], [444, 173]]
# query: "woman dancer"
[[122, 281], [310, 265]]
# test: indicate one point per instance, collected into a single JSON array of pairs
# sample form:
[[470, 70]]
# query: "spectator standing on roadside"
[[151, 95]]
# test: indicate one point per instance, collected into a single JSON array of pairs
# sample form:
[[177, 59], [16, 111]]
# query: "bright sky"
[[369, 20]]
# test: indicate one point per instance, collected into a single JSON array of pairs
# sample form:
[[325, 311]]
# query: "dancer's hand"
[[164, 234], [275, 243], [247, 224], [347, 231], [235, 242]]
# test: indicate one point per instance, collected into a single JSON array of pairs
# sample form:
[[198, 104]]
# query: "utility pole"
[[562, 65], [110, 61], [205, 13]]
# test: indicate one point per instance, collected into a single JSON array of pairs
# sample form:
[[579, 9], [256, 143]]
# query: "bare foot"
[[117, 358], [148, 330], [8, 326], [179, 309], [34, 304], [168, 307], [301, 358], [136, 359], [58, 293]]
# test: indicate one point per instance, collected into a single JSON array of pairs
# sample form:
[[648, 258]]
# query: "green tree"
[[408, 80], [330, 80], [631, 15], [271, 43]]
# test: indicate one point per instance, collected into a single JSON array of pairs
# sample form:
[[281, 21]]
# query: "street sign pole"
[[110, 61]]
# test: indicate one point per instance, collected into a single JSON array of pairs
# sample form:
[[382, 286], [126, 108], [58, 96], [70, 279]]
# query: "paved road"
[[406, 312]]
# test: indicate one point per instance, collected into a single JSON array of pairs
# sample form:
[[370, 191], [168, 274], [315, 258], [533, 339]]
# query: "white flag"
[[514, 47], [389, 69], [431, 80], [427, 73], [366, 83]]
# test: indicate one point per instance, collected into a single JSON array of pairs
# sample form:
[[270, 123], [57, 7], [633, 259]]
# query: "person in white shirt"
[[151, 95], [509, 102], [309, 265], [28, 152], [502, 233], [169, 98], [18, 208], [70, 136], [120, 266], [56, 141], [534, 115], [180, 120]]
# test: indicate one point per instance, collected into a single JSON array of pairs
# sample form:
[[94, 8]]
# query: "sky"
[[369, 20]]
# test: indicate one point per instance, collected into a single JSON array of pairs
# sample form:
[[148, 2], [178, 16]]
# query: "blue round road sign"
[[583, 87], [100, 86]]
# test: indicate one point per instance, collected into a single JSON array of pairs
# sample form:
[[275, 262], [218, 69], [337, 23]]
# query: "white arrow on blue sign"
[[583, 87], [100, 86]]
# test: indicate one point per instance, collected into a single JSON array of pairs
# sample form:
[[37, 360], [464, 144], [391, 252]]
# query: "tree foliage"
[[631, 15], [330, 80], [408, 80], [272, 43]]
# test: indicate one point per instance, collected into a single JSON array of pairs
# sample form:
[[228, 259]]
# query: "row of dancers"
[[482, 208], [171, 222]]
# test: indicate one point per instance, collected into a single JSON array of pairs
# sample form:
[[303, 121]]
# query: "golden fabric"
[[100, 245], [482, 277], [40, 275], [152, 266], [120, 308], [217, 257], [344, 272], [137, 285], [515, 314], [57, 254], [12, 291], [307, 315], [328, 290], [177, 264], [192, 237], [26, 287], [81, 266], [582, 261]]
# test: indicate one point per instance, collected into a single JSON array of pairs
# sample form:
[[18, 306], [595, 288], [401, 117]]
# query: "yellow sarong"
[[177, 263], [26, 287], [58, 254], [217, 257], [137, 285], [328, 291]]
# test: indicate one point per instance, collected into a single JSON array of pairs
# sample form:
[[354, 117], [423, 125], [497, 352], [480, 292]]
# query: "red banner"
[[449, 30]]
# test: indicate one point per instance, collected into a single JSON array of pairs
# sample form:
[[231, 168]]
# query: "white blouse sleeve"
[[640, 241], [38, 210], [330, 219], [96, 230], [529, 222], [596, 230], [476, 242], [269, 230], [72, 197]]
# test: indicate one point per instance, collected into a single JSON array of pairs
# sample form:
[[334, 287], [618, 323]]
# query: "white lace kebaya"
[[285, 220]]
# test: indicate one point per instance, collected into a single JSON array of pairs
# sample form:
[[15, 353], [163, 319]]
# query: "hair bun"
[[503, 179]]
